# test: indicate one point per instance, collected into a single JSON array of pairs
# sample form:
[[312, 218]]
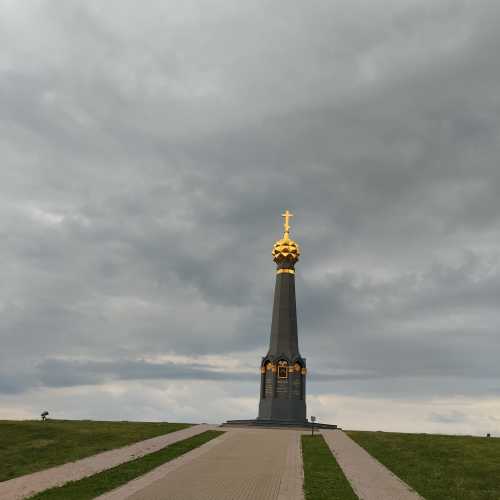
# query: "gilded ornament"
[[289, 271], [286, 249], [282, 369]]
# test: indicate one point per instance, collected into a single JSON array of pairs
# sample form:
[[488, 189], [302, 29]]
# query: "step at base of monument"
[[278, 424]]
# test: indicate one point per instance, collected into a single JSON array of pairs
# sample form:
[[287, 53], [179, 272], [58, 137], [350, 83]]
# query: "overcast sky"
[[147, 152]]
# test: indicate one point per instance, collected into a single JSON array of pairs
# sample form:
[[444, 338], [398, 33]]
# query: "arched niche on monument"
[[267, 370], [282, 369], [297, 375], [282, 379]]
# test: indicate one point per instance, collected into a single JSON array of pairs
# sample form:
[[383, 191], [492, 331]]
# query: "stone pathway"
[[28, 485], [242, 464], [369, 479]]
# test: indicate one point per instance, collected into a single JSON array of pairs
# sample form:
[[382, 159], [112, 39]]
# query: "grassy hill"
[[439, 467], [29, 446]]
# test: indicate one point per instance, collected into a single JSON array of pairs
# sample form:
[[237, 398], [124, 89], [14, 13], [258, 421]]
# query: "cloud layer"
[[147, 154]]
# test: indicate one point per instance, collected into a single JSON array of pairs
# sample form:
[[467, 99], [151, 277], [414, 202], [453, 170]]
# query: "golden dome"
[[286, 248]]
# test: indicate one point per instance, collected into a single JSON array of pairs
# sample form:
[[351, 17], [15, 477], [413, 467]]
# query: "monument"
[[283, 370]]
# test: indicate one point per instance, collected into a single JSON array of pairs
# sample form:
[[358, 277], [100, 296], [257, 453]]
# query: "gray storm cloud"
[[147, 153]]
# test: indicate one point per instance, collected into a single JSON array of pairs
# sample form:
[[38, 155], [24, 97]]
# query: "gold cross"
[[286, 224]]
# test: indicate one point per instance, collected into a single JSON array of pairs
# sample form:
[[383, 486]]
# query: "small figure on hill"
[[44, 415]]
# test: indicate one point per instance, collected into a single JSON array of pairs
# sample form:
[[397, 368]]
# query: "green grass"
[[323, 478], [439, 467], [30, 446], [93, 486]]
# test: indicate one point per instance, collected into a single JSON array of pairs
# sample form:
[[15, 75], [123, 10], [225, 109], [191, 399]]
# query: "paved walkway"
[[242, 464], [369, 479], [28, 485]]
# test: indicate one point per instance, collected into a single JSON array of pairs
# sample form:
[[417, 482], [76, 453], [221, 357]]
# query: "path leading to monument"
[[369, 479], [28, 485], [242, 464]]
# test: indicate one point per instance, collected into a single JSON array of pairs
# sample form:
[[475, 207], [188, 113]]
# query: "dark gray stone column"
[[287, 401]]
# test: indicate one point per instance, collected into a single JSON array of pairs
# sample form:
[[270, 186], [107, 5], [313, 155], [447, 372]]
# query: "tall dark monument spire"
[[283, 370]]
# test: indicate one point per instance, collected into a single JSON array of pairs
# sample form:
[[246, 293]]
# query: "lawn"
[[29, 446], [93, 486], [323, 478], [439, 467]]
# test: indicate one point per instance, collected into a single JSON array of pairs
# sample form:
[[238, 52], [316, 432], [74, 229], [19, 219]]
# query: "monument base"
[[300, 424]]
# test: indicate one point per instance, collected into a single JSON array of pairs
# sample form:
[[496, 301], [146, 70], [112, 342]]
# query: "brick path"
[[28, 485], [369, 479], [243, 464]]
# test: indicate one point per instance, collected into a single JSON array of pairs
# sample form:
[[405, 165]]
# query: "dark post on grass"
[[44, 415], [313, 419]]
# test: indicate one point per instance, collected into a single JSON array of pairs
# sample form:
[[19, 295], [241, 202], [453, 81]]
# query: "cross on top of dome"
[[286, 224], [286, 250]]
